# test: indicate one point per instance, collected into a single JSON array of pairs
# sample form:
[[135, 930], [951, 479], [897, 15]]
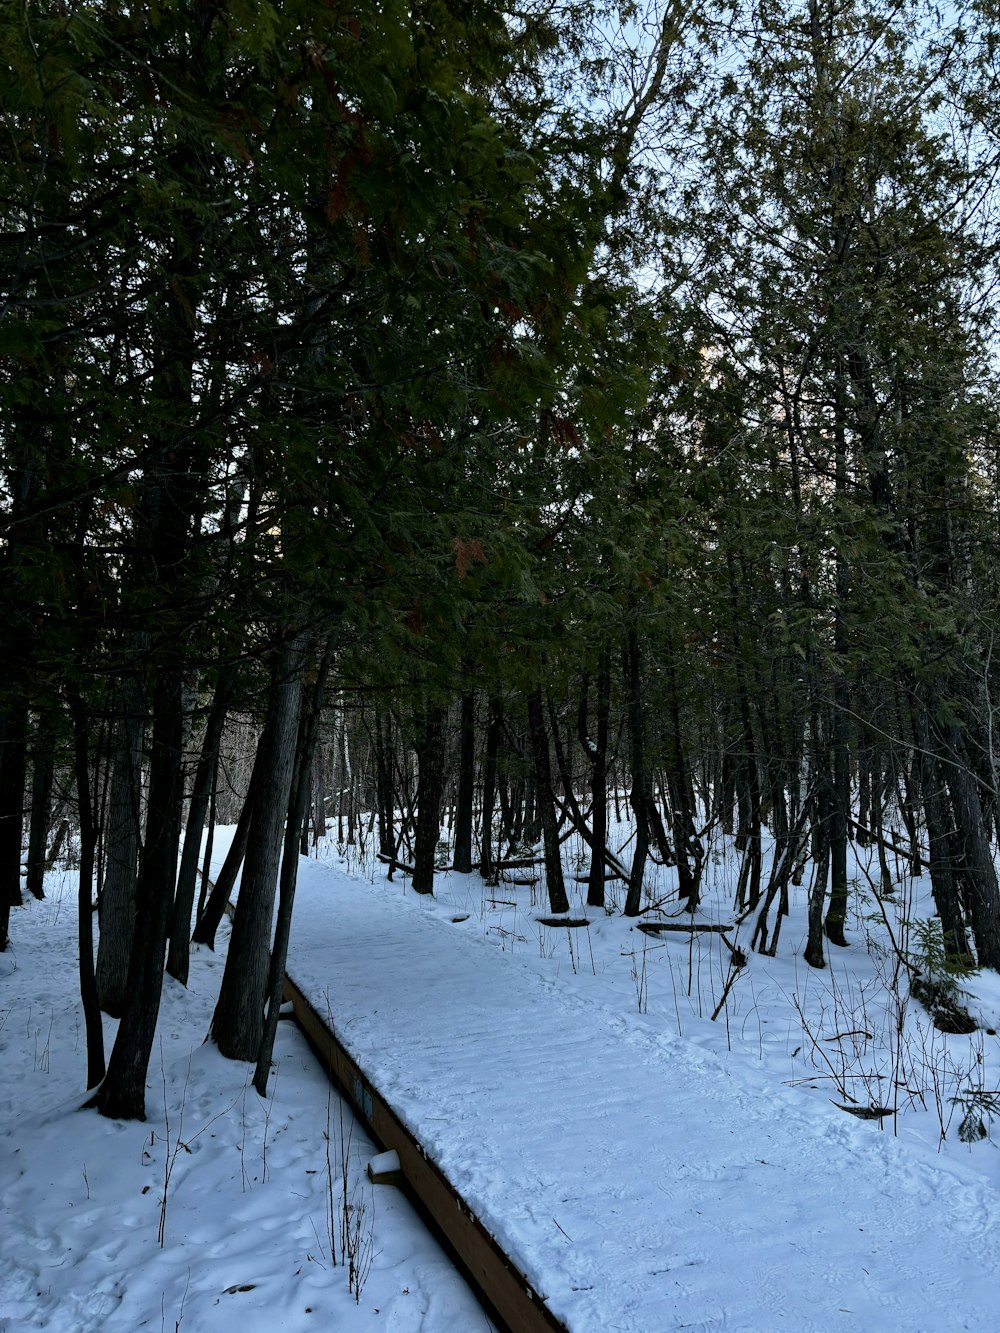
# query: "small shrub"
[[935, 980], [981, 1106]]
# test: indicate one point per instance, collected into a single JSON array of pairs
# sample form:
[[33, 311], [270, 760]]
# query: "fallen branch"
[[916, 855], [394, 863], [695, 927]]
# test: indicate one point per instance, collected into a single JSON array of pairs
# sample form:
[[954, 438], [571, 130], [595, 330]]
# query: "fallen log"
[[694, 927], [394, 863]]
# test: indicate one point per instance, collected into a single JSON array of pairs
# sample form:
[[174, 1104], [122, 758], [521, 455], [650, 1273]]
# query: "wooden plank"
[[490, 1271]]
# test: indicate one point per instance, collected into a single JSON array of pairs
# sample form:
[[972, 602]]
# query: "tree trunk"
[[178, 955], [558, 901], [596, 748], [298, 806], [13, 771], [430, 788], [493, 728], [93, 1024], [43, 760], [786, 842], [979, 870], [821, 870], [466, 784], [384, 783], [122, 1095], [215, 909], [121, 851], [529, 812], [944, 885], [688, 850], [750, 816], [657, 831], [237, 1024], [840, 795], [303, 848], [840, 812], [24, 448], [206, 860], [638, 798]]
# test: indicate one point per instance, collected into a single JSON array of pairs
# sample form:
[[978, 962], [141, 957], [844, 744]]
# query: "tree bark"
[[688, 850], [979, 870], [821, 870], [298, 808], [43, 761], [430, 788], [13, 766], [121, 851], [836, 915], [384, 783], [237, 1024], [93, 1024], [596, 748], [840, 791], [215, 909], [555, 884], [122, 1095], [493, 728], [944, 884], [178, 955], [466, 784], [638, 797]]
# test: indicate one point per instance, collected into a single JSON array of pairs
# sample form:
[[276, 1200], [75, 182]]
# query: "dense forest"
[[458, 416]]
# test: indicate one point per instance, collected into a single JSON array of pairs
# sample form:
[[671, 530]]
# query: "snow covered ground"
[[650, 1168], [246, 1226]]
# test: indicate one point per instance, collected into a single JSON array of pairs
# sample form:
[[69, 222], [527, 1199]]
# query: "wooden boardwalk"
[[493, 1275], [599, 1173]]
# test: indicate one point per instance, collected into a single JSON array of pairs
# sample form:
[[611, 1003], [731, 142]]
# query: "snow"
[[247, 1233], [647, 1168]]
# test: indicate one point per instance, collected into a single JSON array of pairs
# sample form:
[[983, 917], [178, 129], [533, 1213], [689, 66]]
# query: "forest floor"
[[250, 1185], [650, 1168]]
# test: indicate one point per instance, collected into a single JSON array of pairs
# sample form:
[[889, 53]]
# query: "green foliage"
[[929, 954], [935, 977], [980, 1107]]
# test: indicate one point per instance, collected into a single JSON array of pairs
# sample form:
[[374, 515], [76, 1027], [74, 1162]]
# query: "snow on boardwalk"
[[640, 1182]]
